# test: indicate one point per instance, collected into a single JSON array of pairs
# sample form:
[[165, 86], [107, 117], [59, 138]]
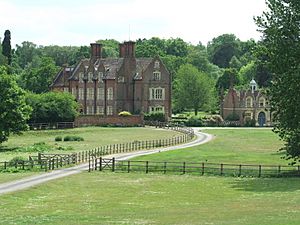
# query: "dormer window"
[[156, 75], [100, 77], [156, 64], [80, 77], [249, 102]]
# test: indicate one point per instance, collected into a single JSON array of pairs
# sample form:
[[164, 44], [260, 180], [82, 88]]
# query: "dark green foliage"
[[16, 160], [73, 138], [280, 49], [228, 79], [13, 108], [233, 117], [250, 123], [6, 46], [52, 107], [38, 78], [155, 117], [193, 122], [222, 48], [58, 138]]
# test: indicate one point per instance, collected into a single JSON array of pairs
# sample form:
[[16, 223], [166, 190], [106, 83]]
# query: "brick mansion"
[[107, 86]]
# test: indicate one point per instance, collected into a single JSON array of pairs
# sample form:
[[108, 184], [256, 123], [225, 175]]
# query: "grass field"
[[93, 137], [6, 177], [252, 146], [112, 198]]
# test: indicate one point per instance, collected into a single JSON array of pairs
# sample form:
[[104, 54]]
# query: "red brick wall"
[[115, 120]]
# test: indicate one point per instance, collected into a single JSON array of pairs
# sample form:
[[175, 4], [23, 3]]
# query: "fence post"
[[128, 166], [89, 164], [96, 161], [165, 167], [183, 168], [113, 164], [221, 169], [5, 165], [240, 170], [147, 168], [53, 163], [259, 171], [202, 168], [100, 166], [279, 170], [23, 165]]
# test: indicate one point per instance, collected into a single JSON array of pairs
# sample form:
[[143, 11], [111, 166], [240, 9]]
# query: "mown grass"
[[112, 198], [6, 177], [242, 146], [93, 137]]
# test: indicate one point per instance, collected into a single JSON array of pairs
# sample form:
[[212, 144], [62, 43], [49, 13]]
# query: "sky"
[[80, 22]]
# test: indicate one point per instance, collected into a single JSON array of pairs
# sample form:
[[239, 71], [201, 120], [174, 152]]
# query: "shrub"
[[125, 113], [250, 123], [73, 138], [16, 160], [58, 138], [155, 117], [193, 122], [233, 117]]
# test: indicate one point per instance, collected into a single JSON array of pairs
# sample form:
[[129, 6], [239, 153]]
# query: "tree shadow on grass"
[[267, 184]]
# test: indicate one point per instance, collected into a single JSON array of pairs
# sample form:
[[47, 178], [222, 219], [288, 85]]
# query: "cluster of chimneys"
[[126, 50]]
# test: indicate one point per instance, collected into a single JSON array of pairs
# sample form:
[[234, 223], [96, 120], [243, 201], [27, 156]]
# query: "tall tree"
[[222, 48], [6, 46], [281, 47], [14, 111], [192, 88], [37, 78]]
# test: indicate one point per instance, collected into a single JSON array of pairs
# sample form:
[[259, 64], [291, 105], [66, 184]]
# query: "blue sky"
[[80, 22]]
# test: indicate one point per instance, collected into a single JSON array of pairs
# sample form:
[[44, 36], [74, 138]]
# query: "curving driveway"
[[201, 138]]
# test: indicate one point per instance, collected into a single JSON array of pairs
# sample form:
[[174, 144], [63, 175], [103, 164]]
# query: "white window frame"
[[90, 93], [80, 93], [100, 93], [90, 77], [100, 110], [156, 75], [74, 92], [109, 110], [110, 93], [157, 108], [157, 93]]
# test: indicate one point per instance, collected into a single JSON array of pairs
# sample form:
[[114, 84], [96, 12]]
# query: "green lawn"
[[93, 137], [112, 198], [252, 146], [6, 177]]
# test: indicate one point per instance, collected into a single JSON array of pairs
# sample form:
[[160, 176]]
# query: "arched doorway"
[[261, 119]]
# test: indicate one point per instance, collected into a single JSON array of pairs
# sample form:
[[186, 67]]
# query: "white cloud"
[[82, 22]]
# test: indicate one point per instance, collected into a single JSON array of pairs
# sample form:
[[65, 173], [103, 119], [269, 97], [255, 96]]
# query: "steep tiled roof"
[[112, 66], [141, 66]]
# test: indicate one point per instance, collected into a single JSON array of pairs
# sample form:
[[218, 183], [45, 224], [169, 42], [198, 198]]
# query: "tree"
[[248, 72], [228, 79], [52, 107], [222, 48], [281, 47], [26, 52], [6, 46], [14, 111], [39, 77], [192, 88]]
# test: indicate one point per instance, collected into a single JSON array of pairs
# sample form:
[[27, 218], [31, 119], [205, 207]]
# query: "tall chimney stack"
[[127, 49], [96, 50]]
